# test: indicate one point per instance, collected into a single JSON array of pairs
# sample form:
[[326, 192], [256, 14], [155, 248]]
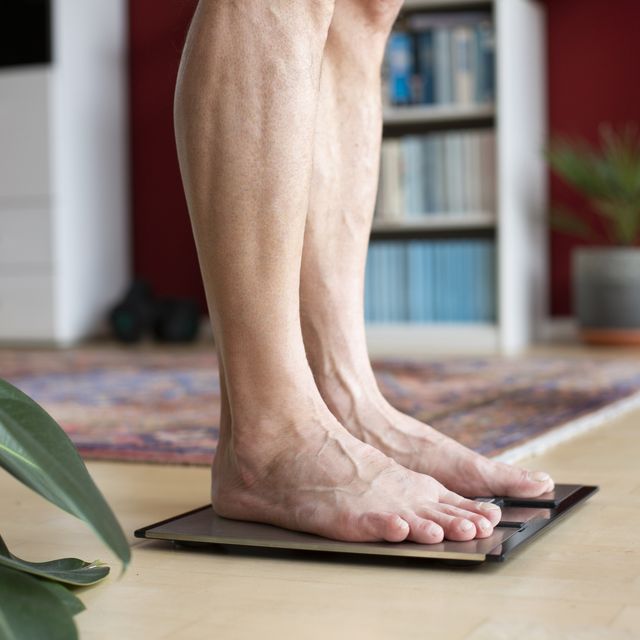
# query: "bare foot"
[[302, 470], [368, 416]]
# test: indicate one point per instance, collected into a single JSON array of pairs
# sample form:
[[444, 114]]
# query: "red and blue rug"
[[161, 405]]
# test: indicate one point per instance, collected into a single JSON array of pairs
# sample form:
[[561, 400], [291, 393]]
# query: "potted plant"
[[606, 279], [37, 599]]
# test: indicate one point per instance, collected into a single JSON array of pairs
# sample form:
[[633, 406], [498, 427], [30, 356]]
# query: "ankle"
[[255, 432], [346, 390]]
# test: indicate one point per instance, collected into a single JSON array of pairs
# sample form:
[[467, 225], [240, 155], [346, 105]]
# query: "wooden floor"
[[580, 580]]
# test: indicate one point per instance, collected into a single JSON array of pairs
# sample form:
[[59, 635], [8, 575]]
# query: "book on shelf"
[[450, 172], [430, 281], [444, 58], [399, 63]]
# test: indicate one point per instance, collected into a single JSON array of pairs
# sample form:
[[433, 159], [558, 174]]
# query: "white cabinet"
[[64, 201]]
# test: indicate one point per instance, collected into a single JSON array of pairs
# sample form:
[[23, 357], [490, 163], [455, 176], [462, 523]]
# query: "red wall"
[[163, 247], [593, 57], [594, 50]]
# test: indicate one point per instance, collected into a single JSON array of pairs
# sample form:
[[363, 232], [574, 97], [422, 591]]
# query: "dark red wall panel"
[[163, 247]]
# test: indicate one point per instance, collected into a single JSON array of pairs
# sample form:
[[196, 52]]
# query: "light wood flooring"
[[580, 580]]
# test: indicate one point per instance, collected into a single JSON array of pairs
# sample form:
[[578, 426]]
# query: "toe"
[[384, 526], [490, 511], [507, 480], [423, 530], [486, 510], [484, 527], [454, 527]]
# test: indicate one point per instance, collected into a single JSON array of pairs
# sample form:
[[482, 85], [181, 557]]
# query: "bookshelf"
[[515, 222]]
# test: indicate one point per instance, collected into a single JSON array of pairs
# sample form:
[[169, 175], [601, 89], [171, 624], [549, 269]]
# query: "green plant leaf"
[[568, 222], [71, 601], [608, 177], [28, 609], [66, 570], [35, 450]]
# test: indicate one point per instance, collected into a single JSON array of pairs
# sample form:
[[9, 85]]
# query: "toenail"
[[466, 525], [402, 524], [539, 476], [489, 506]]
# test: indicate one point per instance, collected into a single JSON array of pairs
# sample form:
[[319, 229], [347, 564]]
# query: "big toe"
[[515, 482]]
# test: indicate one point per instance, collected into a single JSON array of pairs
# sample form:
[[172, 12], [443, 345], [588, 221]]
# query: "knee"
[[380, 14], [320, 11]]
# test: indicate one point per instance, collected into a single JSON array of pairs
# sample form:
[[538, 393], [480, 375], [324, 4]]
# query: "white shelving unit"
[[519, 222], [64, 200]]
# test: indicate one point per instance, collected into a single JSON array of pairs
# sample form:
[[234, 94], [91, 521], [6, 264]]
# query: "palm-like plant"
[[36, 598], [609, 177]]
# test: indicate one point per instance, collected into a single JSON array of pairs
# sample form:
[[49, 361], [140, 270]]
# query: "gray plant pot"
[[606, 288]]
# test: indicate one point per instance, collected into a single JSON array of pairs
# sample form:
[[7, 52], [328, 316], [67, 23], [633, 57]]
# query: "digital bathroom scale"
[[522, 520]]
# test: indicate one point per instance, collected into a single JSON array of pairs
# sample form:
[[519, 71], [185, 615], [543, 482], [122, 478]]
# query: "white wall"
[[90, 162]]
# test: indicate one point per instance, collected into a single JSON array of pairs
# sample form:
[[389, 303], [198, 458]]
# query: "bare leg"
[[343, 190], [244, 116]]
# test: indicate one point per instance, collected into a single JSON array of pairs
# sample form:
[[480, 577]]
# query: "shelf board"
[[437, 114], [414, 340], [437, 222], [412, 5]]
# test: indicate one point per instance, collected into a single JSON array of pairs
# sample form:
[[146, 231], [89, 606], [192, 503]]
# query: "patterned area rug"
[[162, 406]]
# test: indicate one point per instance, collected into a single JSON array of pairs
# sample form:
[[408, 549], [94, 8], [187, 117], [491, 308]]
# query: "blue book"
[[454, 281], [414, 281], [412, 158], [390, 277], [467, 284], [492, 312], [370, 283], [454, 267], [485, 53], [429, 270], [392, 283], [436, 293], [383, 283], [375, 282], [468, 280], [440, 281], [403, 289], [442, 58], [400, 67], [479, 294], [428, 174], [368, 302], [487, 281], [439, 173], [400, 311], [462, 42], [445, 281], [426, 62], [484, 295], [382, 292], [455, 284]]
